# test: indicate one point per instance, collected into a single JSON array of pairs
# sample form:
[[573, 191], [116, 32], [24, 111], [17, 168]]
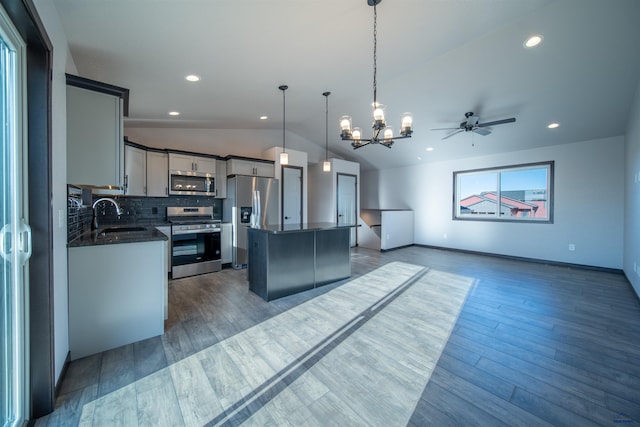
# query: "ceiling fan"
[[471, 124]]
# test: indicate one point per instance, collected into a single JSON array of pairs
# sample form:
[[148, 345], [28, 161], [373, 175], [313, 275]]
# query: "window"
[[520, 193]]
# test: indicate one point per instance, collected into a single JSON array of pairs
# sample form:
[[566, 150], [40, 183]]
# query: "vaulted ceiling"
[[437, 59]]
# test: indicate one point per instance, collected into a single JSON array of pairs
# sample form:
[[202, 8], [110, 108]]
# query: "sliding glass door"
[[15, 234]]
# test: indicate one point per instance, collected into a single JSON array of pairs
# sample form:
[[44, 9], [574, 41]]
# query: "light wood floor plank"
[[534, 344]]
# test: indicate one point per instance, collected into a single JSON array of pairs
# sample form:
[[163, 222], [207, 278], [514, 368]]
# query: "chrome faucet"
[[104, 199]]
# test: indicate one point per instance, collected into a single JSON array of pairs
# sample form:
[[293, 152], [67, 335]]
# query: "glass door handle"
[[5, 236], [24, 241]]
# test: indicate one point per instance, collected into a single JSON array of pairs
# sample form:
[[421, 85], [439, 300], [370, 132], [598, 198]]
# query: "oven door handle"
[[203, 231]]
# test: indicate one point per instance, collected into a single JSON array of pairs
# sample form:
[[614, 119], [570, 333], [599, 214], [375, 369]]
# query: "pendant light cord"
[[283, 88], [326, 121]]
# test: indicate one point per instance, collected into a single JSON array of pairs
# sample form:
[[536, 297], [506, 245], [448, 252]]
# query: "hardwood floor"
[[534, 344]]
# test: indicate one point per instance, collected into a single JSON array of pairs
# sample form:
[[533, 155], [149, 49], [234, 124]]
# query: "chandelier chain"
[[375, 55]]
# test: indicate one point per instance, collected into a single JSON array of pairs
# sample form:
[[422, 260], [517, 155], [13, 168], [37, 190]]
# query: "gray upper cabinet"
[[157, 174], [221, 179], [135, 171], [192, 164], [250, 167], [95, 147]]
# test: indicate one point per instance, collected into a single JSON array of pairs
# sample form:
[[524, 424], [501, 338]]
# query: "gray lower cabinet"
[[116, 295], [226, 242], [166, 230]]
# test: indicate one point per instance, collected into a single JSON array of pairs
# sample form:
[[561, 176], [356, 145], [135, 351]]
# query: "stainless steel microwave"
[[191, 185]]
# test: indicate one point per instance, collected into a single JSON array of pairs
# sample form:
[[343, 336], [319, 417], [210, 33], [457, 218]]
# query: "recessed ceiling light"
[[192, 78], [174, 113], [553, 125], [263, 117], [429, 149], [533, 41]]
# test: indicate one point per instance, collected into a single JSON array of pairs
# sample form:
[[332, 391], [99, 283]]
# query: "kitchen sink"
[[122, 230]]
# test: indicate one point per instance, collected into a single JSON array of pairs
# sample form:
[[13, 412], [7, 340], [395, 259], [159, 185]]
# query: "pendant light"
[[326, 166], [284, 156], [382, 134]]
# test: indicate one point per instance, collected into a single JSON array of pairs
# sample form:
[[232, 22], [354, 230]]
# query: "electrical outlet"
[[572, 247]]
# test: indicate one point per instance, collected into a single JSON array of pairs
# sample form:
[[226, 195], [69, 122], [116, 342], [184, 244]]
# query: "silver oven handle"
[[203, 231]]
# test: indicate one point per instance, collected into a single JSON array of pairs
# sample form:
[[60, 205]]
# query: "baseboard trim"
[[532, 260], [397, 247], [63, 373]]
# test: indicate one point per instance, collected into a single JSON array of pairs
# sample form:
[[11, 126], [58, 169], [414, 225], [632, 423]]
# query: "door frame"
[[282, 194], [25, 18], [338, 175]]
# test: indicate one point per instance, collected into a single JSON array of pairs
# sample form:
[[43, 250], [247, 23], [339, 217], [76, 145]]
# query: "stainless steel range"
[[195, 241]]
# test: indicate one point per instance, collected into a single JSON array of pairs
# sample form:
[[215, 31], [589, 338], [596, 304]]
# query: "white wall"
[[588, 205], [632, 197], [62, 62]]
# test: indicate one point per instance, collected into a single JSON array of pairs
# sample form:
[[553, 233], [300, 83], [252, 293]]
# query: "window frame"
[[549, 165]]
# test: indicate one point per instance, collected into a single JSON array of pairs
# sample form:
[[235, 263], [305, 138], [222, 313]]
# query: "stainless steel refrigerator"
[[251, 200]]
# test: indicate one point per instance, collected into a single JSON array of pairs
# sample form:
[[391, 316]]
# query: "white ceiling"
[[436, 58]]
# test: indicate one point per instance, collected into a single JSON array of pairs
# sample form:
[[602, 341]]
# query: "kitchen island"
[[287, 259]]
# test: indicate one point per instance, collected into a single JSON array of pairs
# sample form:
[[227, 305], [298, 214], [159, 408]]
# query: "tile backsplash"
[[137, 210]]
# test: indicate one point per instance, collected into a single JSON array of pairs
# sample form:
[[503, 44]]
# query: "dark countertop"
[[118, 234], [293, 228]]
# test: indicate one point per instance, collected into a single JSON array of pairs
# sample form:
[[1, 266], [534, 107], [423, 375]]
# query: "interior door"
[[15, 234], [291, 195], [347, 203]]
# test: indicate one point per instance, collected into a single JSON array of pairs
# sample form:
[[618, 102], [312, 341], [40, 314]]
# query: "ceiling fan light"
[[388, 133], [357, 133]]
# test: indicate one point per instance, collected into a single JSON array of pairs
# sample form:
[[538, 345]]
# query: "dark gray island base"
[[285, 260]]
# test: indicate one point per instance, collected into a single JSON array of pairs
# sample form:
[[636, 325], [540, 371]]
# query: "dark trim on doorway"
[[282, 195], [24, 16], [338, 175]]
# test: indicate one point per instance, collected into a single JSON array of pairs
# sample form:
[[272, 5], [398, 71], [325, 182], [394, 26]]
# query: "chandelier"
[[382, 134]]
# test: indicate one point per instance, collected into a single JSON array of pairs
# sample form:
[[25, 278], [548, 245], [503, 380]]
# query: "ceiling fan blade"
[[483, 132], [497, 122], [444, 129], [453, 133]]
